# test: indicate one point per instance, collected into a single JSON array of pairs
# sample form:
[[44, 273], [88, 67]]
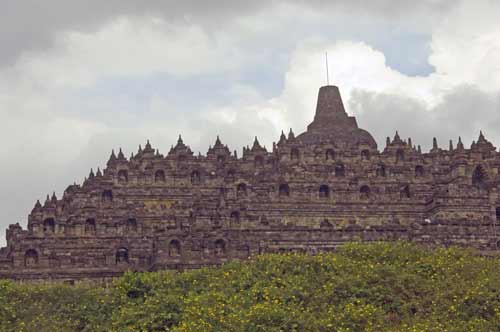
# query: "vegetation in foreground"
[[379, 287]]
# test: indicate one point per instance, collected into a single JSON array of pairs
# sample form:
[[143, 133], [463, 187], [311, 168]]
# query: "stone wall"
[[310, 193]]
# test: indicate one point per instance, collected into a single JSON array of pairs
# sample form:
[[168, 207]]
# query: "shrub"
[[361, 287]]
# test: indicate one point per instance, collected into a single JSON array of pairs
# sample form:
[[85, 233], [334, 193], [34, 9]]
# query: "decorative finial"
[[460, 145], [434, 143], [282, 137], [481, 137], [256, 143], [451, 145], [396, 137], [120, 154]]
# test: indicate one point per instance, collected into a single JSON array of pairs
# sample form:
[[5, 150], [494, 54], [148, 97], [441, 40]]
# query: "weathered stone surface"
[[310, 193]]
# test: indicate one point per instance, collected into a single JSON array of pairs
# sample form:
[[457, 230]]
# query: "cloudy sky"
[[78, 78]]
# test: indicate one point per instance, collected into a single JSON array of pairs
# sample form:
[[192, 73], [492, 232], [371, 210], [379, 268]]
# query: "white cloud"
[[466, 46], [50, 141], [465, 53], [55, 130], [127, 47], [385, 100]]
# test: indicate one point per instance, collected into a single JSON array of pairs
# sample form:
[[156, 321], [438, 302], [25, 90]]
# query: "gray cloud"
[[55, 132], [30, 25], [465, 110]]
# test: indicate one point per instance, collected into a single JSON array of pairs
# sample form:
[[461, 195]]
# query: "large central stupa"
[[311, 193]]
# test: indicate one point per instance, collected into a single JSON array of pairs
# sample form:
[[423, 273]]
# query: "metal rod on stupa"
[[327, 75]]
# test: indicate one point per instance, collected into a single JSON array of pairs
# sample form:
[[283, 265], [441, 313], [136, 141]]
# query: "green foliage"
[[395, 287]]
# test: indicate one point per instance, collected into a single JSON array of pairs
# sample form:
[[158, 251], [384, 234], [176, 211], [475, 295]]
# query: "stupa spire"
[[329, 102], [460, 145], [120, 154], [38, 205], [256, 142]]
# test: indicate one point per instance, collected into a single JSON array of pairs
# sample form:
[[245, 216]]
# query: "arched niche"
[[90, 226], [479, 176], [49, 226], [330, 154], [219, 248], [195, 177], [122, 256], [131, 225], [235, 216], [107, 196], [174, 248], [324, 191], [339, 170], [284, 190], [231, 175], [30, 258], [160, 176], [381, 171], [404, 192], [365, 154], [419, 171], [364, 192], [241, 190], [122, 176]]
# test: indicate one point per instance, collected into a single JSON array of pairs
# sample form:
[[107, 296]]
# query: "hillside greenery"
[[395, 287]]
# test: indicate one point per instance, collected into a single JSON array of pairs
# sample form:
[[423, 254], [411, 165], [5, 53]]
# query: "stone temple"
[[310, 193]]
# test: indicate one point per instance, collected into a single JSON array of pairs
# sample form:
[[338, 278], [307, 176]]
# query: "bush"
[[361, 287]]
